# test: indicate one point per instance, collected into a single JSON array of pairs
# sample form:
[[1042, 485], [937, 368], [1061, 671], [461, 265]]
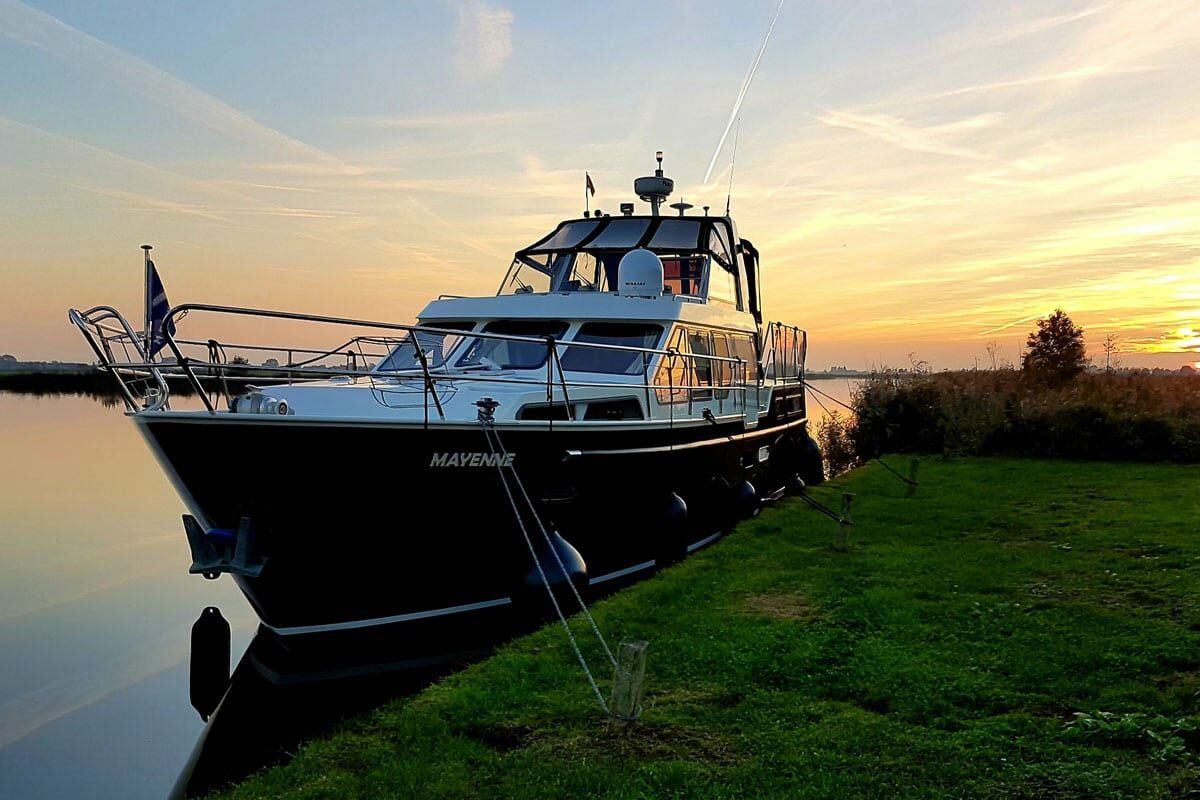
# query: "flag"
[[591, 187], [156, 296]]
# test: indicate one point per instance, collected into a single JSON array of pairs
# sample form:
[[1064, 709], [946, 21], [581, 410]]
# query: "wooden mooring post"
[[912, 476], [843, 534], [628, 683]]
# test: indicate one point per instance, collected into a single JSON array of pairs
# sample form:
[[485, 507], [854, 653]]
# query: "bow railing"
[[669, 382]]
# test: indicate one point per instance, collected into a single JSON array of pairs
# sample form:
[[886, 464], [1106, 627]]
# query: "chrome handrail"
[[90, 324], [435, 381]]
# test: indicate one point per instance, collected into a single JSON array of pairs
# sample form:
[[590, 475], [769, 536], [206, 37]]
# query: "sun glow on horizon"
[[987, 164]]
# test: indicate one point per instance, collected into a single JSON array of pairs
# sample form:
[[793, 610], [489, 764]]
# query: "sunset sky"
[[921, 178]]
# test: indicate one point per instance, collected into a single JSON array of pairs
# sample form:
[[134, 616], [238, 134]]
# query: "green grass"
[[943, 655]]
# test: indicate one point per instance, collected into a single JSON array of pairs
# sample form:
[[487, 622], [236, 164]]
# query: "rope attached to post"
[[909, 481], [497, 447]]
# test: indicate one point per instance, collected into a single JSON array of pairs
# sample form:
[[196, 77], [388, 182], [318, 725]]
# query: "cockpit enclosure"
[[702, 258]]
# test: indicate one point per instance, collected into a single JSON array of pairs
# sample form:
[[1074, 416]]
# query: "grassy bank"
[[947, 654]]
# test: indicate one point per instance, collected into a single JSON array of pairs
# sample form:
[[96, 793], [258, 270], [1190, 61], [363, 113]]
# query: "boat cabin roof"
[[712, 236]]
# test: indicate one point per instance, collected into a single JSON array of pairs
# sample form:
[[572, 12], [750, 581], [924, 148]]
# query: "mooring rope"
[[851, 409], [824, 509], [488, 433], [557, 556]]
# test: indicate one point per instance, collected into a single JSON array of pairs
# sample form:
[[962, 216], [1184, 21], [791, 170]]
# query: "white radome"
[[640, 274]]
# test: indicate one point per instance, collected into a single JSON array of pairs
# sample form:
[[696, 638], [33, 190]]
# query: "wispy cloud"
[[1040, 25], [314, 169], [1180, 340], [30, 27], [1013, 324], [483, 39], [902, 133], [465, 119]]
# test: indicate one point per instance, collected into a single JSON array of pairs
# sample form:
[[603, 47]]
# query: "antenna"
[[654, 189], [732, 164], [681, 206]]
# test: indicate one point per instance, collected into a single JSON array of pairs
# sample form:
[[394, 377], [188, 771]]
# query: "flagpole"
[[587, 200], [148, 300]]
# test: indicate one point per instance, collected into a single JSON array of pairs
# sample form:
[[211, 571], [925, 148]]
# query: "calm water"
[[96, 611], [96, 607]]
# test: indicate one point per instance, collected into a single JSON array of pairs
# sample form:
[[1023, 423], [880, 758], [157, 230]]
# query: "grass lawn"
[[941, 656]]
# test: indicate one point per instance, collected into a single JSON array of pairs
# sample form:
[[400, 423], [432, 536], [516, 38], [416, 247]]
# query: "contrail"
[[737, 104]]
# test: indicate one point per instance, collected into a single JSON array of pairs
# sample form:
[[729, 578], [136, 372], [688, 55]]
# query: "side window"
[[722, 285], [722, 370], [743, 348], [682, 274], [509, 353], [702, 367], [672, 371]]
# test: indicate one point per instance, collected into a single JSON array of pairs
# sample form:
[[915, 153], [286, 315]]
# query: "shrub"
[[837, 446], [1134, 416]]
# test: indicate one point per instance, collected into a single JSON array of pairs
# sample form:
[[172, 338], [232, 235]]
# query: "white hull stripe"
[[442, 612], [706, 540], [621, 573], [369, 623]]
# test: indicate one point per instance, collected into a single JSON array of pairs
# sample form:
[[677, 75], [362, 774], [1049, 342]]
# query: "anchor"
[[223, 550]]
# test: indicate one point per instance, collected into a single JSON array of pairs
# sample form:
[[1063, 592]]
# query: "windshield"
[[507, 354], [527, 275], [613, 362], [436, 346]]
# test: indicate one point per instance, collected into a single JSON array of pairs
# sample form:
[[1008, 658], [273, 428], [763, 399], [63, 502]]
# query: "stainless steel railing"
[[144, 382], [784, 351]]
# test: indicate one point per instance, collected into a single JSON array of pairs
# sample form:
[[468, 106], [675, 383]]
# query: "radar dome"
[[640, 274]]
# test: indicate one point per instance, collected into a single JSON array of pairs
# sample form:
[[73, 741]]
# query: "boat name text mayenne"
[[471, 460]]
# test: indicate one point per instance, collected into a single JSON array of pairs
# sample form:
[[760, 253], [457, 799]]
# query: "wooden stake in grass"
[[912, 476], [844, 523], [628, 683]]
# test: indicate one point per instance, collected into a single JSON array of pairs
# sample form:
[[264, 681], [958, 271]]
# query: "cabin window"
[[722, 285], [672, 373], [568, 235], [743, 348], [676, 234], [528, 274], [621, 234], [436, 346], [718, 242], [702, 366], [508, 354], [682, 275], [723, 371], [613, 362], [579, 272]]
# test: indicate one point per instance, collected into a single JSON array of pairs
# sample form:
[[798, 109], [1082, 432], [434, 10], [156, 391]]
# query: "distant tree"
[[239, 360], [1112, 349], [1055, 349], [8, 357], [271, 362]]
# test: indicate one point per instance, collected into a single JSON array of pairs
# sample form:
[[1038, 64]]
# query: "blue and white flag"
[[159, 306]]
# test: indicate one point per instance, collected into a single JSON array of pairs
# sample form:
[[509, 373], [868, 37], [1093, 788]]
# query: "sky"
[[923, 179]]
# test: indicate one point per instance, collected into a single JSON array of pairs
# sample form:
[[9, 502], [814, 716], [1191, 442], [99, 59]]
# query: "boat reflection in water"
[[284, 692]]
